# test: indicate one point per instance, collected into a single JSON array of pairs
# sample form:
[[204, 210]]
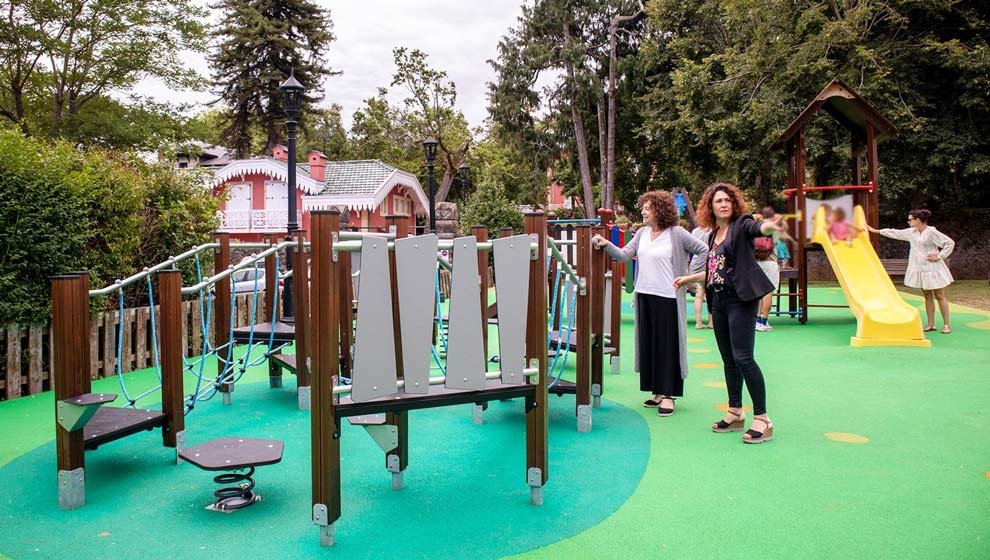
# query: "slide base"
[[857, 342]]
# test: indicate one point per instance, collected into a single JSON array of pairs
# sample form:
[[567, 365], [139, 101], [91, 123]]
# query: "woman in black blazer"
[[734, 284]]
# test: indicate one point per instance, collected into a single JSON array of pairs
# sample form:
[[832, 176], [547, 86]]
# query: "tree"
[[325, 133], [430, 111], [489, 206], [72, 53], [574, 41], [732, 74], [262, 42]]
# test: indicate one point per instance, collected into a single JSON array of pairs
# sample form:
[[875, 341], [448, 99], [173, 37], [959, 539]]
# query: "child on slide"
[[839, 230]]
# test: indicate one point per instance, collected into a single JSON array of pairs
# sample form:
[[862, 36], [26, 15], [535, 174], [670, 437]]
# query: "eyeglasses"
[[911, 218]]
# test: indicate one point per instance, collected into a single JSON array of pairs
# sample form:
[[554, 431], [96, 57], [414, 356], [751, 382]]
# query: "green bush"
[[490, 207], [65, 209]]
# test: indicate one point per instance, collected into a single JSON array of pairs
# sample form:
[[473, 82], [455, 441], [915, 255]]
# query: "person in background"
[[767, 256], [701, 234], [926, 269], [735, 284], [663, 252]]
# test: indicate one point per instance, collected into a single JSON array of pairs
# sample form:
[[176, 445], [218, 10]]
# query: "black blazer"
[[748, 279]]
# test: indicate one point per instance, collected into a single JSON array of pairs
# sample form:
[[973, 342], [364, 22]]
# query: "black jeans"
[[735, 334]]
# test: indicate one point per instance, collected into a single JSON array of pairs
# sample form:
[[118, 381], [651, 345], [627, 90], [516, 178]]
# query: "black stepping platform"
[[110, 424], [438, 396], [563, 387], [283, 333], [234, 454]]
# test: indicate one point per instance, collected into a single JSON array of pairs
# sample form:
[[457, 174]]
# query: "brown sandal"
[[736, 425], [753, 436]]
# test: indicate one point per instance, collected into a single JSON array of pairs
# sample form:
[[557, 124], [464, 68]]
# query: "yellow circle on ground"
[[987, 474], [843, 437], [715, 384], [981, 325], [699, 350], [706, 365], [695, 339], [723, 407]]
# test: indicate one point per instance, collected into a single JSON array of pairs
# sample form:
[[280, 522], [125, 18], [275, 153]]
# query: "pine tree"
[[259, 43]]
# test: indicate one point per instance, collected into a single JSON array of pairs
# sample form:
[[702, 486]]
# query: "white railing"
[[262, 221]]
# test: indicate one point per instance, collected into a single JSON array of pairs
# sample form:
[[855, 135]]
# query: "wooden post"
[[536, 352], [584, 319], [802, 252], [222, 303], [398, 419], [873, 175], [170, 343], [615, 298], [70, 367], [596, 290], [325, 429], [481, 233], [300, 304], [271, 278]]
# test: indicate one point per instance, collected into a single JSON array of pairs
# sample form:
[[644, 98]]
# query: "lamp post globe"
[[430, 146], [292, 95]]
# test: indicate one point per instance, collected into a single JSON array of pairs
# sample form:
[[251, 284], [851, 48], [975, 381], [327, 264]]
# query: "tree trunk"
[[588, 197], [608, 189]]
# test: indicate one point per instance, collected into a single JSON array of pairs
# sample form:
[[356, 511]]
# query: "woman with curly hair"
[[735, 283], [663, 251]]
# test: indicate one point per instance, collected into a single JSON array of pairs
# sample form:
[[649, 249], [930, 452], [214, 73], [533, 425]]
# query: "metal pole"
[[433, 188], [288, 313]]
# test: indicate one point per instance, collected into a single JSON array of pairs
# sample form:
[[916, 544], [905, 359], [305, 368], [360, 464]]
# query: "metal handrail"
[[565, 266], [247, 262], [119, 284]]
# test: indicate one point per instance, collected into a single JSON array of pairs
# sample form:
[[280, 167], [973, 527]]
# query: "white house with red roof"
[[256, 193]]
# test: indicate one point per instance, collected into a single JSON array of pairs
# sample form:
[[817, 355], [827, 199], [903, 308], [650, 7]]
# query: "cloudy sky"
[[457, 36]]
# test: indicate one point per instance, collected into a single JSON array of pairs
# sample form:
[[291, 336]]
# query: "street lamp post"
[[430, 145], [292, 93]]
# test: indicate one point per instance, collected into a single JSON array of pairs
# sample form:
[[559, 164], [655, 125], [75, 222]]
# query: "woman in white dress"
[[926, 263]]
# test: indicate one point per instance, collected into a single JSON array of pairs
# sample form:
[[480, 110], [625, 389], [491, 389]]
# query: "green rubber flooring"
[[878, 453]]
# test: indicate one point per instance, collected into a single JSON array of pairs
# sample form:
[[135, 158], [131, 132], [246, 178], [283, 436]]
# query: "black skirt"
[[659, 345]]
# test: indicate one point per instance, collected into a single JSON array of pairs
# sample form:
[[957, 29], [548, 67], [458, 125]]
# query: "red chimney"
[[318, 165], [280, 153]]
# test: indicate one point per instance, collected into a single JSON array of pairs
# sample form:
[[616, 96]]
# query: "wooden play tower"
[[866, 127]]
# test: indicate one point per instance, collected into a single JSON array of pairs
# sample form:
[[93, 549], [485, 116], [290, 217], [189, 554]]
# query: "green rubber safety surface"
[[877, 452]]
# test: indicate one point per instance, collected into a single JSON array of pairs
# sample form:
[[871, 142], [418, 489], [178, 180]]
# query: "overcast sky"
[[457, 36]]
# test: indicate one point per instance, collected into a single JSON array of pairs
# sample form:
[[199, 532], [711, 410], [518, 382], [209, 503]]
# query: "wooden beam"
[[324, 429], [170, 344], [537, 425], [222, 302]]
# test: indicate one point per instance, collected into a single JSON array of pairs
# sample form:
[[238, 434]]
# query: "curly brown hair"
[[706, 214], [662, 203]]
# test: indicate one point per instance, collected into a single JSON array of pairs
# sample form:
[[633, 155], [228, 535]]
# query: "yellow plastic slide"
[[882, 317]]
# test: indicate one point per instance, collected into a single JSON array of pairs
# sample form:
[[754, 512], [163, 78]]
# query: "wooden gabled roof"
[[847, 107]]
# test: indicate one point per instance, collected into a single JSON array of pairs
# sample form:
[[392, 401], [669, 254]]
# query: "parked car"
[[244, 280]]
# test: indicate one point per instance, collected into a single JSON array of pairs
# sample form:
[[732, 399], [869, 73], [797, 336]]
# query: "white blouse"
[[655, 267], [921, 273]]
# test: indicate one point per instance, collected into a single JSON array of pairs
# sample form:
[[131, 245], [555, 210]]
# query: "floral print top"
[[717, 273]]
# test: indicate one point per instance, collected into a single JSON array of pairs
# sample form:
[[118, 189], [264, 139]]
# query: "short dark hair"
[[921, 214], [768, 212]]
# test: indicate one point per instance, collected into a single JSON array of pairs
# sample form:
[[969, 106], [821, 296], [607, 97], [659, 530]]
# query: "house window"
[[239, 198], [400, 206], [276, 196]]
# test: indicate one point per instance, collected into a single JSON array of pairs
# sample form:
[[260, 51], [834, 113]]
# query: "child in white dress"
[[926, 268]]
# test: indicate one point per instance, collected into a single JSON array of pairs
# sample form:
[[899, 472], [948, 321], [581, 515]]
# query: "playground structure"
[[371, 367], [866, 127], [584, 313]]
